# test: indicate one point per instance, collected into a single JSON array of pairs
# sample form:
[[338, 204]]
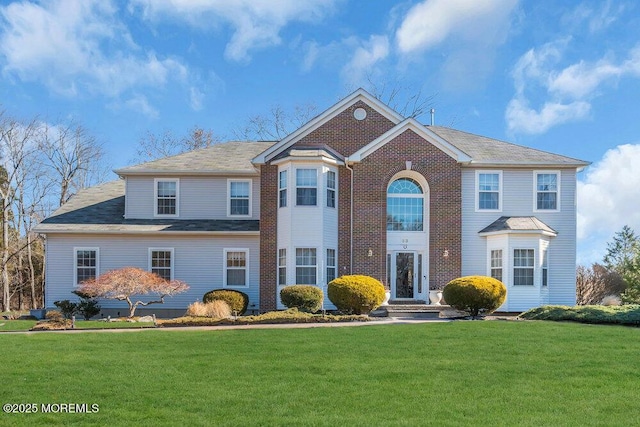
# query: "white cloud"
[[140, 104], [520, 117], [608, 198], [568, 90], [256, 23], [79, 46], [365, 56], [429, 23]]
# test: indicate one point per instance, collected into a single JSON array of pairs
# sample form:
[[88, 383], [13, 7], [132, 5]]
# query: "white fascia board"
[[358, 95], [423, 131], [521, 232]]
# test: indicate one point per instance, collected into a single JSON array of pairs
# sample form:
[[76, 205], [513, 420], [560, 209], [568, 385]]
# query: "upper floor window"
[[236, 267], [161, 262], [306, 187], [86, 263], [405, 205], [523, 263], [166, 197], [331, 189], [282, 189], [547, 190], [239, 197], [489, 188]]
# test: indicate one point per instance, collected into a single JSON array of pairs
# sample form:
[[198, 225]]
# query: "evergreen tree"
[[623, 257]]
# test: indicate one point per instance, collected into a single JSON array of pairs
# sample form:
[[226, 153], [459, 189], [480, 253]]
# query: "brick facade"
[[371, 177]]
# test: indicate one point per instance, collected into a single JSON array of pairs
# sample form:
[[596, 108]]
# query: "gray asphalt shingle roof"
[[518, 223], [100, 209], [492, 151], [223, 158]]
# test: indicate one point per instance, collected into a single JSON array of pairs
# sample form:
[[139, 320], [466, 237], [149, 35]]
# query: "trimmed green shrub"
[[303, 297], [238, 301], [67, 308], [475, 294], [620, 315], [356, 294], [87, 306]]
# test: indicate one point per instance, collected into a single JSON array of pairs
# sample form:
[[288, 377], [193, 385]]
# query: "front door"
[[404, 284]]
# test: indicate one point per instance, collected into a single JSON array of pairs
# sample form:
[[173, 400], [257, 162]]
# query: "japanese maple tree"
[[129, 283]]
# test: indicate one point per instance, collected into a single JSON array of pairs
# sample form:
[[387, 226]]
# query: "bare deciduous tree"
[[597, 282], [277, 124], [73, 156], [152, 146], [406, 100]]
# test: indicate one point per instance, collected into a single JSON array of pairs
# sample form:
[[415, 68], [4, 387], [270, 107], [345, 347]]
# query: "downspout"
[[346, 164]]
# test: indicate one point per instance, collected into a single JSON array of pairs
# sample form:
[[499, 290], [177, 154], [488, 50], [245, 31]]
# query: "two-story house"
[[357, 190]]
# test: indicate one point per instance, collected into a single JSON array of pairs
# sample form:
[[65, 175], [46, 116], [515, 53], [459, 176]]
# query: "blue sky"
[[562, 76]]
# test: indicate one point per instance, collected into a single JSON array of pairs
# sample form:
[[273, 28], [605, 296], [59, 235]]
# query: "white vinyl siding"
[[199, 198], [517, 200], [86, 264], [197, 260]]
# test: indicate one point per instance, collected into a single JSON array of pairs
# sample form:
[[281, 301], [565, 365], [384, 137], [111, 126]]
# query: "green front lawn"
[[458, 373], [16, 325]]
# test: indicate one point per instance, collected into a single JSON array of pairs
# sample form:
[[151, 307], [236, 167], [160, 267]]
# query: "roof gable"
[[326, 116], [423, 131]]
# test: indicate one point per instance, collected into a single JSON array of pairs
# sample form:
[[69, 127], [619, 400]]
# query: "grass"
[[25, 325], [460, 373], [16, 325]]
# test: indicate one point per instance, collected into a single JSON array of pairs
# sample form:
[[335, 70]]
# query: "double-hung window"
[[166, 197], [282, 267], [239, 197], [331, 189], [545, 268], [306, 266], [523, 267], [489, 187], [496, 264], [331, 264], [236, 267], [282, 189], [86, 264], [306, 187], [161, 262], [547, 191]]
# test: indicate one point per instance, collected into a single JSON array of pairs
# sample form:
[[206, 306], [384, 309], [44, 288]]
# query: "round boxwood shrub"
[[356, 294], [475, 294], [303, 297], [238, 301]]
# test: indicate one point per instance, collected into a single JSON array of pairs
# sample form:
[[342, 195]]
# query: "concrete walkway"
[[386, 321]]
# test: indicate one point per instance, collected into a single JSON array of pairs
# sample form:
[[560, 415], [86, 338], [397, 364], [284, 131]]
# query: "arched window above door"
[[405, 205]]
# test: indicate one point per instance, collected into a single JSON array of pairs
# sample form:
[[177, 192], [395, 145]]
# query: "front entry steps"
[[410, 309]]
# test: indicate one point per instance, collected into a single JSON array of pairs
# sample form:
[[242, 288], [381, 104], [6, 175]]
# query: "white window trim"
[[319, 196], [75, 261], [173, 259], [229, 181], [544, 253], [477, 190], [155, 197], [490, 267], [285, 266], [535, 190], [334, 189], [306, 266], [224, 267], [536, 277], [327, 266], [285, 188]]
